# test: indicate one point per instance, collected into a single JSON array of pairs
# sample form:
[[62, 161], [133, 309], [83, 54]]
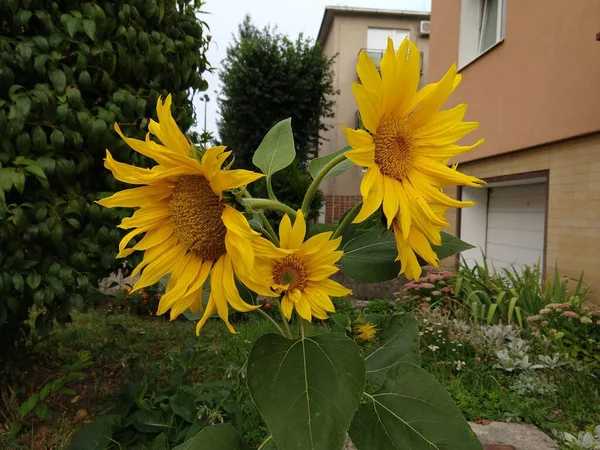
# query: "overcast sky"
[[291, 17]]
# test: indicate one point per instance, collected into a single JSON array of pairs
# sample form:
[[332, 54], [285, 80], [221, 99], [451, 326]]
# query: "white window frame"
[[472, 30]]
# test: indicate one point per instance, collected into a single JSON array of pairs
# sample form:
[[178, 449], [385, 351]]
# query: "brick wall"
[[573, 231], [337, 205]]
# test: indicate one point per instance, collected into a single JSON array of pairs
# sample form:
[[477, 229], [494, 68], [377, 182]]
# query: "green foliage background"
[[68, 71], [266, 78]]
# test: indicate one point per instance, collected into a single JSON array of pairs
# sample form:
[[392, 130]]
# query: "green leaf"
[[315, 166], [58, 79], [19, 181], [450, 246], [57, 139], [216, 437], [34, 280], [276, 151], [147, 421], [184, 405], [98, 435], [39, 173], [41, 43], [411, 411], [371, 257], [307, 389], [18, 282], [28, 405], [397, 341], [72, 26], [89, 27]]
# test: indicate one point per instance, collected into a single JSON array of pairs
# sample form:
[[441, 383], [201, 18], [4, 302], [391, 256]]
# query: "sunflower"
[[408, 141], [302, 274], [190, 230], [364, 333]]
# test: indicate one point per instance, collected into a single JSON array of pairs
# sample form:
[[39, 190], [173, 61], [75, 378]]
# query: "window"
[[377, 41], [481, 27]]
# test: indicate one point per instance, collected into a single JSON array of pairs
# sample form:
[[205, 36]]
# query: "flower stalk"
[[314, 186]]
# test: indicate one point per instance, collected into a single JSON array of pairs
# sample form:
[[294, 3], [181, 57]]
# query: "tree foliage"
[[266, 78], [68, 71]]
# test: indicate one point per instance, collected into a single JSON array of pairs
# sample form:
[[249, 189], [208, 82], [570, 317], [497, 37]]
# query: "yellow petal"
[[229, 179], [390, 199], [303, 309], [217, 289], [368, 73], [298, 232], [154, 236], [388, 78], [167, 130], [146, 216], [371, 202], [208, 312], [435, 100], [287, 306], [334, 288], [446, 152], [160, 267], [231, 291], [368, 107], [445, 174], [137, 197], [421, 245], [372, 177], [363, 157], [357, 138], [408, 60], [403, 209], [285, 231]]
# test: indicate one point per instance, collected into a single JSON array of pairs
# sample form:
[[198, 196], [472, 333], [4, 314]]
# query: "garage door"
[[516, 217]]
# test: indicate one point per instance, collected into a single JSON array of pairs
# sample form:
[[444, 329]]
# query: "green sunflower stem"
[[265, 203], [284, 320], [270, 191], [269, 228], [279, 329], [265, 442], [314, 186], [346, 221]]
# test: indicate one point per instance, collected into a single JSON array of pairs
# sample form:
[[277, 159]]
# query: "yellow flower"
[[365, 333], [416, 243], [408, 141], [191, 232], [302, 274]]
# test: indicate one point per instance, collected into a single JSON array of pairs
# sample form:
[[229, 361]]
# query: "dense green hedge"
[[69, 69]]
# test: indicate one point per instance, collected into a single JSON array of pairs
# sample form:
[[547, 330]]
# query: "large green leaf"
[[450, 246], [371, 257], [411, 411], [307, 389], [397, 342], [276, 151], [98, 435], [315, 166], [216, 437]]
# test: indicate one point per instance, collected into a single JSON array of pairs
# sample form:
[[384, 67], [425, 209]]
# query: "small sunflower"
[[408, 140], [191, 231], [302, 274], [364, 333]]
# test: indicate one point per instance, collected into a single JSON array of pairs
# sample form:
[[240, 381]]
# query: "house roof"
[[332, 11]]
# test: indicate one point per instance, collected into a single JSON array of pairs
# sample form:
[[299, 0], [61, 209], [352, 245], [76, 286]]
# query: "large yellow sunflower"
[[408, 140], [302, 275], [191, 232]]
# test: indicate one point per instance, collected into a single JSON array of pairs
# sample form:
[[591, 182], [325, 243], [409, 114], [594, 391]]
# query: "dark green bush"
[[69, 69]]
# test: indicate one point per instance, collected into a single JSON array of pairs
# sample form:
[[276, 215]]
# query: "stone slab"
[[517, 435]]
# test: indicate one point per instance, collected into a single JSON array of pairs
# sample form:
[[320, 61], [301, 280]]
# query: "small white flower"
[[460, 365], [421, 333], [433, 348]]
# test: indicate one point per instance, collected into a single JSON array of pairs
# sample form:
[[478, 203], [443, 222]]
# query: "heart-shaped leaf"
[[307, 389], [216, 437], [397, 342], [315, 166], [411, 411], [371, 257], [276, 151]]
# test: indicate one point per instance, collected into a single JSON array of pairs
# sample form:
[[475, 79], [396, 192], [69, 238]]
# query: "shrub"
[[68, 71]]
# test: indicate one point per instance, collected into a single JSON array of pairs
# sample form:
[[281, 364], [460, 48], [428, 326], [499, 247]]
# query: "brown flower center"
[[394, 150], [290, 272], [196, 213]]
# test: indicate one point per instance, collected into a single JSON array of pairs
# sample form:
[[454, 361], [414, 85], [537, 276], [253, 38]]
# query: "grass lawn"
[[125, 348]]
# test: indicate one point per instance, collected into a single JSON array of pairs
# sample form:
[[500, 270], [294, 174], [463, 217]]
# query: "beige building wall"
[[346, 37]]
